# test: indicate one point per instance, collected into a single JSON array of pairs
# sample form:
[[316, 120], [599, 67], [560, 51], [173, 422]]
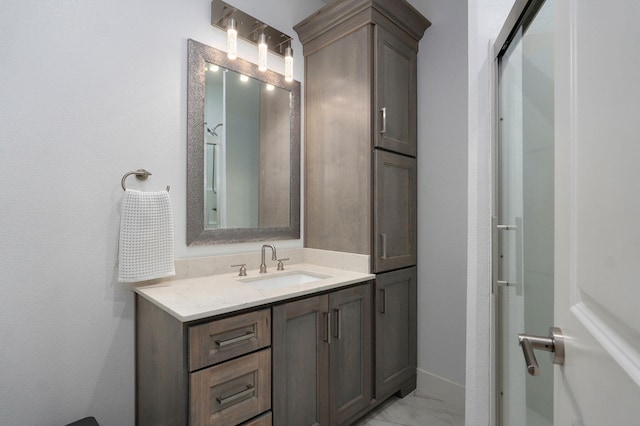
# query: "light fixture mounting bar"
[[249, 28]]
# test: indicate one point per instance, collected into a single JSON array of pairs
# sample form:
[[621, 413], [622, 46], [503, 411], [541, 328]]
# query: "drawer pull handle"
[[250, 390], [249, 335]]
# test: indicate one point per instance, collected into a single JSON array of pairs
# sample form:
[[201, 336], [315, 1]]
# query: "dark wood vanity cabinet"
[[216, 372], [360, 162], [360, 130], [322, 358]]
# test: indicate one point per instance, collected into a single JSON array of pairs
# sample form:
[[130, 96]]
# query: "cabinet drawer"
[[220, 340], [264, 420], [230, 393]]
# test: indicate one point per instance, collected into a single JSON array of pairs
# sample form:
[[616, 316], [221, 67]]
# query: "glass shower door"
[[523, 230]]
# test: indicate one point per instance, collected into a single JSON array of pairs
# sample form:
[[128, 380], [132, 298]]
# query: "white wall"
[[89, 91], [442, 197], [93, 89]]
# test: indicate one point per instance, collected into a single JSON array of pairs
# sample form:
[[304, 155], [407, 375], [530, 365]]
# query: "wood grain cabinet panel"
[[265, 419], [322, 348], [338, 149], [396, 331], [361, 101], [301, 362], [229, 393], [220, 340], [395, 211], [350, 379], [361, 173], [217, 372], [396, 99]]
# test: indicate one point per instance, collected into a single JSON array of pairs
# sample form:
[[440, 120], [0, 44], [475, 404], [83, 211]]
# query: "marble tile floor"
[[414, 410]]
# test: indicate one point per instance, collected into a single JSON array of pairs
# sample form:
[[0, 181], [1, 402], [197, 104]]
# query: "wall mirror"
[[243, 151]]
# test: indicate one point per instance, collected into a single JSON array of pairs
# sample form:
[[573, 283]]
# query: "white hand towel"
[[146, 236]]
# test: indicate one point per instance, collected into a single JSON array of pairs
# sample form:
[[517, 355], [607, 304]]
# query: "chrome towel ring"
[[141, 174]]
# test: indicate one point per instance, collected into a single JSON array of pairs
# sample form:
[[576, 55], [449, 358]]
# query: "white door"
[[597, 202]]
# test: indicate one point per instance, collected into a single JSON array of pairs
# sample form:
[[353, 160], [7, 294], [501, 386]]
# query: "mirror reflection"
[[243, 151], [247, 165]]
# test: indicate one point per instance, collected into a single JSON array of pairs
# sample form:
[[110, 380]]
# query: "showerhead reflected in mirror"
[[243, 137], [247, 167]]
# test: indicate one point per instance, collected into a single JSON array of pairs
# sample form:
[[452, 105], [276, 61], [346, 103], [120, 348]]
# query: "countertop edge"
[[206, 313]]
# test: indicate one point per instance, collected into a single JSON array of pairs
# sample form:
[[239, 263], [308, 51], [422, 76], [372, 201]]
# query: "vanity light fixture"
[[244, 77], [270, 87], [214, 67], [262, 52], [288, 64], [239, 24], [232, 38]]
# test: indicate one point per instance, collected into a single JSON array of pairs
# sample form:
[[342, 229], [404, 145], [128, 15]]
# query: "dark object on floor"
[[87, 421]]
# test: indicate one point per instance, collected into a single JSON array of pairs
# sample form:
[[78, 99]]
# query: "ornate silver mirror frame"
[[197, 234]]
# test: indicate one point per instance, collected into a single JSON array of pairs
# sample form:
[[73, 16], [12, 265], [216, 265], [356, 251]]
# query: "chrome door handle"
[[554, 344]]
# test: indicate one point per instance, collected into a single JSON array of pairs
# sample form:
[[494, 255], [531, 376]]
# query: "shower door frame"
[[522, 13]]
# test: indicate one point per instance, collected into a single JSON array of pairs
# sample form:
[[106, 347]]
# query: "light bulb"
[[270, 87], [262, 53], [288, 64], [232, 39], [244, 77], [213, 67]]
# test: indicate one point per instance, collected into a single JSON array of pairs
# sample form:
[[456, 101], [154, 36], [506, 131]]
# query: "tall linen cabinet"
[[360, 160]]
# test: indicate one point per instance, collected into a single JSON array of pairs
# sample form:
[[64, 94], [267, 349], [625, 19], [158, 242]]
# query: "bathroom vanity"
[[313, 345], [217, 349]]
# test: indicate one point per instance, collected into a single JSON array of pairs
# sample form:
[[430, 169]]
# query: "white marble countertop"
[[201, 297]]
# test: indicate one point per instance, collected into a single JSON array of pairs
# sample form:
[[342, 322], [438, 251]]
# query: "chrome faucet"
[[263, 265]]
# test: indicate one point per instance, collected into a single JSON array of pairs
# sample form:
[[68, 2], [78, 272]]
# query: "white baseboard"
[[436, 387]]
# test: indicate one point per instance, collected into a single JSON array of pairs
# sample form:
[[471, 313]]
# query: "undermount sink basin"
[[286, 279]]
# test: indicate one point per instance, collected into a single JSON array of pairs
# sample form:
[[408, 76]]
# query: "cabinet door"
[[394, 211], [301, 362], [396, 330], [351, 352], [396, 101]]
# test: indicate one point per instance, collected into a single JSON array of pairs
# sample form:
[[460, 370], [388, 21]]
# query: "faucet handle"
[[243, 269], [280, 264]]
